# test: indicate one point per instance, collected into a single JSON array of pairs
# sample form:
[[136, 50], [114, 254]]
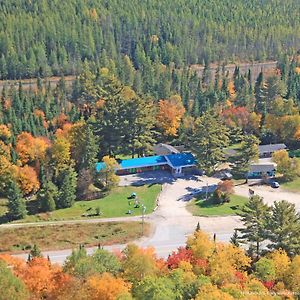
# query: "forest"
[[51, 138], [44, 38], [203, 269]]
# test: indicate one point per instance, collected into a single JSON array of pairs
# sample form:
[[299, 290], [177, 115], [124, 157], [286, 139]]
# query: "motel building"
[[178, 164]]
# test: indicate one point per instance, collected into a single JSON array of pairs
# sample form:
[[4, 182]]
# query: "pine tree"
[[16, 202], [284, 228], [67, 188], [247, 153], [254, 216], [209, 139]]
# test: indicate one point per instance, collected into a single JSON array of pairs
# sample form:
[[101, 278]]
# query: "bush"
[[220, 197]]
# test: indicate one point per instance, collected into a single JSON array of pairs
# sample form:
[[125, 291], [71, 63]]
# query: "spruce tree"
[[67, 188], [47, 196], [16, 202]]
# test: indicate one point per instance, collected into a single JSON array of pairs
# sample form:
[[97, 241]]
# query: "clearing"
[[70, 236], [115, 204]]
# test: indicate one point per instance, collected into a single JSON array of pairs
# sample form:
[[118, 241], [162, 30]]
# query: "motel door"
[[178, 171]]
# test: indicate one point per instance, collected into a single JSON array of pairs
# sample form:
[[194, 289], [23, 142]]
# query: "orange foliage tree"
[[42, 279], [107, 287], [169, 115], [31, 149], [28, 180]]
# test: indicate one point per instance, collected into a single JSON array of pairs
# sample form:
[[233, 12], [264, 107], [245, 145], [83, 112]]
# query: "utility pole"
[[143, 217]]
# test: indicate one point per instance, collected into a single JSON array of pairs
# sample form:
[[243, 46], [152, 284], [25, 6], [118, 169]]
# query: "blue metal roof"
[[139, 162], [143, 162], [181, 159], [100, 166], [174, 160]]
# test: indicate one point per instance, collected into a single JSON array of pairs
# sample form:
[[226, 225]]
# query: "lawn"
[[201, 207], [114, 204], [70, 236], [293, 186]]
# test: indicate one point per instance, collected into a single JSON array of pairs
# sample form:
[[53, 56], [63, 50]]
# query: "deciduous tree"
[[169, 115]]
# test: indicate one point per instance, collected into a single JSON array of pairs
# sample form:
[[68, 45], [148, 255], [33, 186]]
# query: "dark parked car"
[[275, 184]]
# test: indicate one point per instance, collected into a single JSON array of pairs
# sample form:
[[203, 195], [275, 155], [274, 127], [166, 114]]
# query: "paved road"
[[173, 223]]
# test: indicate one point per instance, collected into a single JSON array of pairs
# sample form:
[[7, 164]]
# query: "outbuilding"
[[259, 170]]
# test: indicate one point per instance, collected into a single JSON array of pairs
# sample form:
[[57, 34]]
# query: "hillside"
[[41, 37]]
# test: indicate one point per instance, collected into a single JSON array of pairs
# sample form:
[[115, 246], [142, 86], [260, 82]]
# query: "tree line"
[[203, 269]]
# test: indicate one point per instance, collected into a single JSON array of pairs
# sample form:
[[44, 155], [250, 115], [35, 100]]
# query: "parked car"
[[275, 184]]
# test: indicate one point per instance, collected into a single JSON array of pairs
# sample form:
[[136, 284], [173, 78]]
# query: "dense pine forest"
[[42, 37]]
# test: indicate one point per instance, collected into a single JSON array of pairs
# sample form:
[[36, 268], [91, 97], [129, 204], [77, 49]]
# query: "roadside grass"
[[115, 204], [292, 186], [68, 236], [3, 206], [201, 207]]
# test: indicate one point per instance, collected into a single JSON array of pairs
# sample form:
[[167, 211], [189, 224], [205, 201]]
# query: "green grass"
[[292, 186], [70, 235], [294, 153], [3, 206], [115, 204], [200, 207]]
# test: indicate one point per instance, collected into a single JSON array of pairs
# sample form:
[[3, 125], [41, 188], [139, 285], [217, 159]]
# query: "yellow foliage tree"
[[281, 263], [139, 263], [201, 244], [293, 275], [211, 292], [61, 153], [109, 172], [225, 262]]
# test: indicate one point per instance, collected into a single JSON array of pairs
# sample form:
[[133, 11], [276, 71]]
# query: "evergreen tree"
[[47, 196], [247, 153], [67, 188], [254, 216], [16, 202], [35, 252], [284, 228], [234, 240], [208, 140]]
